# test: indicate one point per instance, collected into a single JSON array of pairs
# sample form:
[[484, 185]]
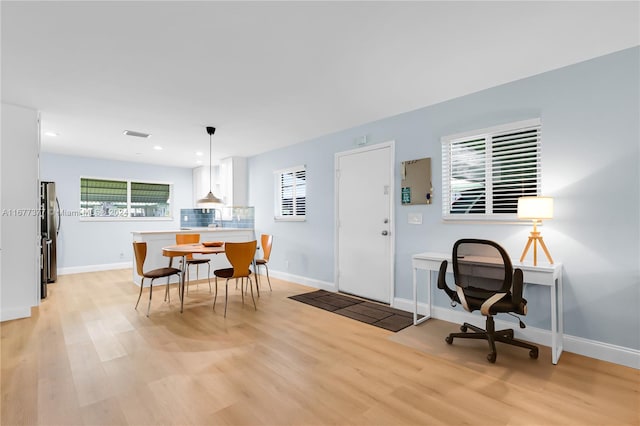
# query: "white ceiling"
[[270, 74]]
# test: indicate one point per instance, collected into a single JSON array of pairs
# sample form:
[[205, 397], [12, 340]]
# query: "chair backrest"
[[266, 240], [140, 252], [188, 239], [240, 255], [481, 264]]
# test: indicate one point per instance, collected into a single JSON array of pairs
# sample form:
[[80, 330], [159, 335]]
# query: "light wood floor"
[[87, 357]]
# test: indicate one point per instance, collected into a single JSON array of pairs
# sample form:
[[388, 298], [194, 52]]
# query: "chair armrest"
[[442, 283], [516, 286]]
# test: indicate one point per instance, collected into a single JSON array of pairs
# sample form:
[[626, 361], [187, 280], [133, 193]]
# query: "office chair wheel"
[[492, 357], [463, 328], [448, 339], [533, 353]]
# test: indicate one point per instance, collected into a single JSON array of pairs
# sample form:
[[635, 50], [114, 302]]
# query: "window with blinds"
[[486, 171], [291, 194], [113, 199]]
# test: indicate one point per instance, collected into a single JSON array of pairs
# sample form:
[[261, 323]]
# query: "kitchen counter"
[[157, 239], [191, 230]]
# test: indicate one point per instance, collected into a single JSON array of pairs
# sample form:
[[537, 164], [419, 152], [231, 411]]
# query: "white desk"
[[546, 275]]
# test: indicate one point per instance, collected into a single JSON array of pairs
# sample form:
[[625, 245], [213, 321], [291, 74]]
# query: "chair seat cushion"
[[226, 273], [476, 297], [197, 261], [161, 272]]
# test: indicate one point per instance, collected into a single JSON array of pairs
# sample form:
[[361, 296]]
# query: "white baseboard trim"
[[15, 313], [93, 268], [297, 279], [578, 345]]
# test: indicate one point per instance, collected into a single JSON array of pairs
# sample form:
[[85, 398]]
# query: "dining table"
[[183, 250]]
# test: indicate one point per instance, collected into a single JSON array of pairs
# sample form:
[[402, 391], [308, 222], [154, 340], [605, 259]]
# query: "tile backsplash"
[[226, 217]]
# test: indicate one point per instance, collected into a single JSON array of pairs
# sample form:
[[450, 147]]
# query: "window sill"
[[290, 219], [485, 220]]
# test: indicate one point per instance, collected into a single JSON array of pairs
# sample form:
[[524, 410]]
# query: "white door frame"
[[392, 224]]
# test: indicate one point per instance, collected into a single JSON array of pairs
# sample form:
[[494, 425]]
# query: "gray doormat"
[[372, 313]]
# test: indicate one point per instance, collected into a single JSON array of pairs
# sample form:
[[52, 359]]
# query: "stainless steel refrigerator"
[[49, 229]]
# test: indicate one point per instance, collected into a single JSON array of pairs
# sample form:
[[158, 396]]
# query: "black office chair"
[[486, 281]]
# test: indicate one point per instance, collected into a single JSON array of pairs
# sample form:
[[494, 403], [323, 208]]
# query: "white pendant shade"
[[209, 199]]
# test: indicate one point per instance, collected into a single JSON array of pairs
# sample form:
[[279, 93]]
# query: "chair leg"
[[491, 330], [268, 279], [150, 293], [252, 298], [226, 295], [139, 295], [209, 275], [167, 294], [215, 297], [492, 336]]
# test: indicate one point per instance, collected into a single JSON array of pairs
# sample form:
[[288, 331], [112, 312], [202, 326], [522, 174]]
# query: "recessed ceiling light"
[[157, 148], [136, 134], [52, 134], [199, 154]]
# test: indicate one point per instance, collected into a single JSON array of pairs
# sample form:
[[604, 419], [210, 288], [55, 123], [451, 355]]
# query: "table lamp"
[[536, 209]]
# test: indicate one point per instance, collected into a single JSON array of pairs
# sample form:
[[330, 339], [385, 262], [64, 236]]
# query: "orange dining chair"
[[193, 239], [140, 252], [240, 255], [266, 240]]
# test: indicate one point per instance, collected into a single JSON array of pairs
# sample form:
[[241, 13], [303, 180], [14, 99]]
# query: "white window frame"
[[128, 217], [279, 215], [488, 136]]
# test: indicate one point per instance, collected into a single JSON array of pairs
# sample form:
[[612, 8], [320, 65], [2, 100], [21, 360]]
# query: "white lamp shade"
[[535, 208]]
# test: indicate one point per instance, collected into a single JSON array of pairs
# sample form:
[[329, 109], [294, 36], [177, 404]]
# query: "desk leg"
[[554, 323], [557, 326], [417, 321]]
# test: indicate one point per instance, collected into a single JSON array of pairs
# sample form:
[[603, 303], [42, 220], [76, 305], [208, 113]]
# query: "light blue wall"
[[86, 243], [591, 151]]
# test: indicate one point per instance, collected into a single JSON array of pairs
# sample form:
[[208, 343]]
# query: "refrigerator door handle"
[[59, 217], [48, 260]]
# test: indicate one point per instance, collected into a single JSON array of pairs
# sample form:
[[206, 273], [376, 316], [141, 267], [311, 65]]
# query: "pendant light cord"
[[210, 166]]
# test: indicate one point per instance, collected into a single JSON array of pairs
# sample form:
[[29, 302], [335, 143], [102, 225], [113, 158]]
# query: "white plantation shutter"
[[291, 202], [485, 172]]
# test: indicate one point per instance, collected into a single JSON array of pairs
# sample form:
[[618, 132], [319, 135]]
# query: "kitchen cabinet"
[[201, 182], [233, 181], [229, 181]]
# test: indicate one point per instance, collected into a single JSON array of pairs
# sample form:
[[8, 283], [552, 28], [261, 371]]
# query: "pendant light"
[[210, 200]]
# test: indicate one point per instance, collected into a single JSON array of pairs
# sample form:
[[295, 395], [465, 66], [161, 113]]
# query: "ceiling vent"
[[136, 134]]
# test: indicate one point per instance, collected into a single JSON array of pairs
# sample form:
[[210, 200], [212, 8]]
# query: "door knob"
[[385, 233]]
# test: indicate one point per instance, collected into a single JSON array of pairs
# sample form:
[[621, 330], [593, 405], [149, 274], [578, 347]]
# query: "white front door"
[[364, 196]]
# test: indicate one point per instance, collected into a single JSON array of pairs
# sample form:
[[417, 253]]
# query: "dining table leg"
[[182, 282], [255, 272]]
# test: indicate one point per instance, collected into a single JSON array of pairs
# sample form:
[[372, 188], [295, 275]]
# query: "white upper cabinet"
[[229, 181], [233, 181]]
